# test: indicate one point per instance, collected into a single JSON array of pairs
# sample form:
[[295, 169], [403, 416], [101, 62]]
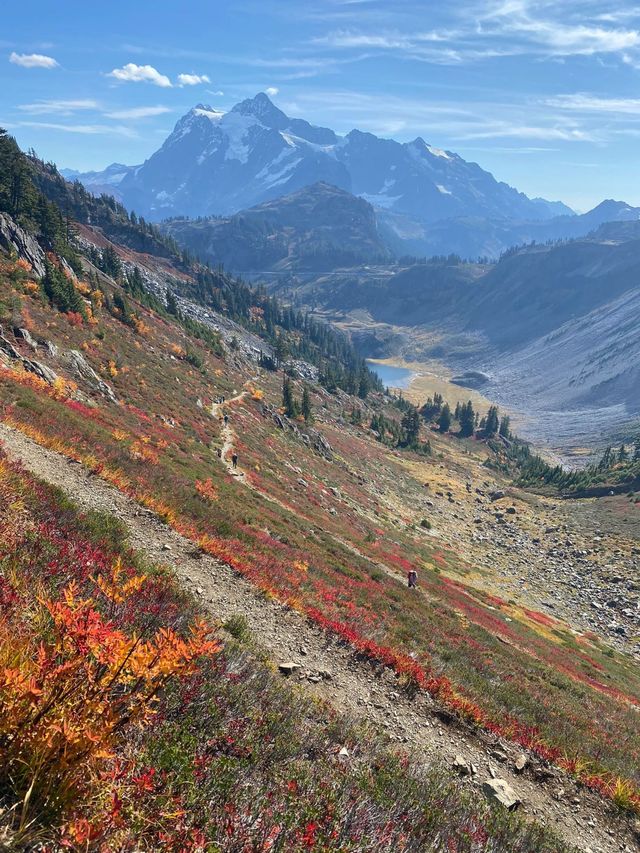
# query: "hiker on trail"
[[219, 452], [234, 459], [412, 579], [226, 419]]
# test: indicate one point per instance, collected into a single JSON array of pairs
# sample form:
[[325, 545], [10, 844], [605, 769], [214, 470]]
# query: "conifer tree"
[[492, 423], [306, 405], [505, 426], [411, 426], [289, 402], [444, 421], [467, 419]]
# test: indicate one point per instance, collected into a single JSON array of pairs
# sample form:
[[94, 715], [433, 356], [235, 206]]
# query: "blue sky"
[[546, 95]]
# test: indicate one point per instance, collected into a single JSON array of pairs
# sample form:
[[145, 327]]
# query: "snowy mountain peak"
[[219, 162], [262, 108], [421, 146]]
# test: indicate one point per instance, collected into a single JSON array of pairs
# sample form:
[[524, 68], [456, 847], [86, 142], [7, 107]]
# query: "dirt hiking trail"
[[218, 411], [331, 669]]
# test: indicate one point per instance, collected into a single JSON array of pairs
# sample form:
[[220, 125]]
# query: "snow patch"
[[266, 170], [443, 190], [296, 141], [212, 115], [281, 176], [380, 199], [438, 152], [236, 127]]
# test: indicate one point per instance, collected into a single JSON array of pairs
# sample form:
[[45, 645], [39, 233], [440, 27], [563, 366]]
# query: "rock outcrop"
[[84, 370], [310, 437], [13, 238]]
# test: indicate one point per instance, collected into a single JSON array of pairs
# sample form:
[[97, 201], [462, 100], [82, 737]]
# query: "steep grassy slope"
[[337, 542], [319, 516], [224, 757]]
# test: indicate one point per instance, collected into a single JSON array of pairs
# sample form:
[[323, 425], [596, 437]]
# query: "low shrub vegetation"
[[126, 725]]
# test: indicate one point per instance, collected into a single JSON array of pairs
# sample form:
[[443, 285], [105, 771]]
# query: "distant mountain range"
[[476, 237], [321, 227], [218, 163]]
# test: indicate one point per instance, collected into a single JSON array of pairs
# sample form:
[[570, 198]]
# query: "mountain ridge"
[[315, 228], [218, 162]]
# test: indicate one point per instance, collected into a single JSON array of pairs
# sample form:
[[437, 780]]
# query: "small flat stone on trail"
[[520, 763], [501, 792], [461, 766], [288, 667]]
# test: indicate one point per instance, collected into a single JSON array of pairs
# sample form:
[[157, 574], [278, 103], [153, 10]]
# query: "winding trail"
[[229, 437], [330, 668]]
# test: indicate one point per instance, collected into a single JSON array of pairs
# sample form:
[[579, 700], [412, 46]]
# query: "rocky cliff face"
[[15, 239]]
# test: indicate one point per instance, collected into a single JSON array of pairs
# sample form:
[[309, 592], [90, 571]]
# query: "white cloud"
[[218, 93], [582, 102], [192, 79], [505, 130], [138, 112], [132, 73], [272, 91], [58, 107], [33, 60], [84, 129]]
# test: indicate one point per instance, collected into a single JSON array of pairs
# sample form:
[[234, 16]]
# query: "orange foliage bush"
[[207, 490], [71, 682]]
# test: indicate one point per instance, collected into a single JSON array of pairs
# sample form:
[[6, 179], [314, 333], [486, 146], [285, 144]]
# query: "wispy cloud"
[[138, 112], [59, 107], [33, 60], [192, 79], [272, 91], [132, 73], [448, 122], [505, 130], [483, 29], [83, 129], [585, 103]]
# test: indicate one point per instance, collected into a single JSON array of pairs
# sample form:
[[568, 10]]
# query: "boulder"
[[40, 370], [499, 791], [288, 667]]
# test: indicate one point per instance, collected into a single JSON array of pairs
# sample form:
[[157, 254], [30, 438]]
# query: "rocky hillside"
[[317, 228]]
